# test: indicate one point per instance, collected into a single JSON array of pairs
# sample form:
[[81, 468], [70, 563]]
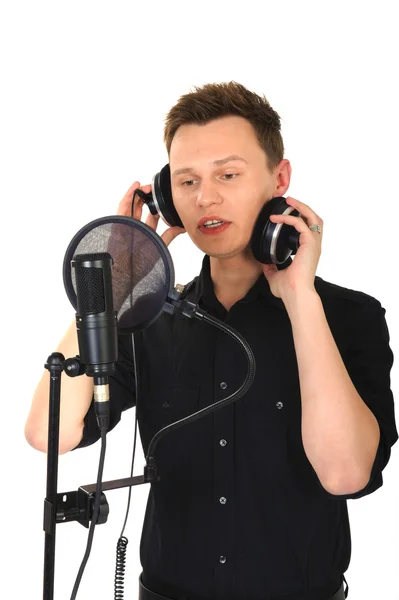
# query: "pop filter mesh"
[[142, 273]]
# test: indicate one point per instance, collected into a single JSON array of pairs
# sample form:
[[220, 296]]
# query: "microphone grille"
[[90, 290], [90, 284]]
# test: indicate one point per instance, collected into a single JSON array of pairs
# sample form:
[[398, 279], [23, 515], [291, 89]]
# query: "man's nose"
[[208, 194]]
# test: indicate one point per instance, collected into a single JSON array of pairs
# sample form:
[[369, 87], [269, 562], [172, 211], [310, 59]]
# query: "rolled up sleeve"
[[369, 361]]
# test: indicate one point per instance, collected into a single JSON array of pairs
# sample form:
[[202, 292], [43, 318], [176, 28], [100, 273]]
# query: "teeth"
[[213, 223]]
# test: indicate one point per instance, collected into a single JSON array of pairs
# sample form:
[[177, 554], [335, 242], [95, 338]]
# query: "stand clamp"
[[75, 506]]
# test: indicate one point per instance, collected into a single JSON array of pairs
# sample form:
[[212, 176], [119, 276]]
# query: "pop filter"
[[142, 271]]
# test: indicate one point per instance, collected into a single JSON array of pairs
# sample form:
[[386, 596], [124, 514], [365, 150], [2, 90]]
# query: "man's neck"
[[233, 277]]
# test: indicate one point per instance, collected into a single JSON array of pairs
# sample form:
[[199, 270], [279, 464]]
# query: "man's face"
[[233, 191]]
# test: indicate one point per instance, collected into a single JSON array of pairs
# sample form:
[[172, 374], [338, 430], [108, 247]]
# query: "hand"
[[301, 273], [133, 253], [125, 209]]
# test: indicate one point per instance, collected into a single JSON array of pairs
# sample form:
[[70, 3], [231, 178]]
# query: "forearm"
[[339, 432], [76, 396]]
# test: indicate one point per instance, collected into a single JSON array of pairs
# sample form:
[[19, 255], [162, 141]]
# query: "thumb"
[[269, 270]]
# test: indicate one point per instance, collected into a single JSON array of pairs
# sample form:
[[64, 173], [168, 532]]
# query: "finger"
[[139, 203], [152, 221], [269, 269], [297, 222], [169, 235], [147, 188], [304, 209], [136, 207], [134, 186], [125, 205]]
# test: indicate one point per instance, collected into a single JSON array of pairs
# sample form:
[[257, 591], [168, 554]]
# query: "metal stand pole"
[[54, 364]]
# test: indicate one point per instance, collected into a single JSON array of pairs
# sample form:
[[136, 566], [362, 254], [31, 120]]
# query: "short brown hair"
[[215, 100]]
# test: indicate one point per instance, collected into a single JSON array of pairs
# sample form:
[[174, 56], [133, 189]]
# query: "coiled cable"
[[123, 541], [120, 567]]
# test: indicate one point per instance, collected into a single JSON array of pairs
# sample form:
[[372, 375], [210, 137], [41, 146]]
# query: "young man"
[[251, 503]]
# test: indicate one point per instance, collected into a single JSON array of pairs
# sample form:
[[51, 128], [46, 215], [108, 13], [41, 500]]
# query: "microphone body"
[[98, 343], [96, 323]]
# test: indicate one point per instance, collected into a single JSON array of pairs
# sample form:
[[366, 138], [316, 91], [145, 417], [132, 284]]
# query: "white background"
[[85, 87]]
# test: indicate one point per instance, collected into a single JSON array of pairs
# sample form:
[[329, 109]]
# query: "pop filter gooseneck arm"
[[189, 309]]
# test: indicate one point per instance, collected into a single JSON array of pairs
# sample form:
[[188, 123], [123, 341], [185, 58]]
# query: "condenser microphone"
[[96, 323]]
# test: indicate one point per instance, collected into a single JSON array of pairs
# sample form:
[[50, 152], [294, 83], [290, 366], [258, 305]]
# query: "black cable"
[[120, 567], [96, 512], [123, 541]]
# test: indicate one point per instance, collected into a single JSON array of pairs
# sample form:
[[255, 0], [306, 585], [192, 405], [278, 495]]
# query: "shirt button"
[[279, 405], [222, 500], [222, 559], [223, 442], [223, 385]]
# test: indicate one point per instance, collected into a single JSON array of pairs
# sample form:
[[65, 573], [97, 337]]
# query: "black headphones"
[[270, 242]]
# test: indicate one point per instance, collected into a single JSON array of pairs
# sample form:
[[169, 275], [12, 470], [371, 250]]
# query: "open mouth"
[[213, 227], [212, 224]]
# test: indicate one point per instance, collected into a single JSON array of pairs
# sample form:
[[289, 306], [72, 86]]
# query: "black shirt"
[[239, 512]]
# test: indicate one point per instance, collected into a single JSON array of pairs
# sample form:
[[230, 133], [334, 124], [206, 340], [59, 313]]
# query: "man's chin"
[[244, 253], [230, 251]]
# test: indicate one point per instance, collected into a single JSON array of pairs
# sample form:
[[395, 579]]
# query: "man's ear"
[[283, 178]]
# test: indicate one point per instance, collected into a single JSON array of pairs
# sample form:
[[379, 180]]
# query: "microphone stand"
[[69, 506], [54, 364], [78, 505]]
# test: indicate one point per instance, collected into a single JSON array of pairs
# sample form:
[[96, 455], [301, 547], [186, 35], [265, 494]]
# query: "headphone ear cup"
[[274, 242], [162, 198]]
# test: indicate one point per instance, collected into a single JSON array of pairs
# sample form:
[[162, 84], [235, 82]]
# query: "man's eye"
[[229, 177]]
